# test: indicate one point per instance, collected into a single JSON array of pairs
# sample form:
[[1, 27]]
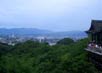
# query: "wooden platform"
[[95, 50], [95, 56]]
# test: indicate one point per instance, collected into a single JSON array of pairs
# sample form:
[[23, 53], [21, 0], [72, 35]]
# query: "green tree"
[[65, 41]]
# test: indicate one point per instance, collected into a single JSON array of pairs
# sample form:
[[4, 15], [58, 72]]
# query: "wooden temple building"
[[95, 52]]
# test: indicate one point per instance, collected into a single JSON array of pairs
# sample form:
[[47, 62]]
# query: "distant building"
[[41, 39]]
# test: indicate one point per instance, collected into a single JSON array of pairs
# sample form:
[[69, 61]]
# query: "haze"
[[55, 15]]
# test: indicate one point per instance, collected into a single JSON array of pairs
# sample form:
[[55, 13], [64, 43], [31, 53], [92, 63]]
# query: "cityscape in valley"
[[20, 35]]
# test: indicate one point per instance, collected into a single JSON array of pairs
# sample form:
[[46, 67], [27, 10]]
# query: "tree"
[[65, 41]]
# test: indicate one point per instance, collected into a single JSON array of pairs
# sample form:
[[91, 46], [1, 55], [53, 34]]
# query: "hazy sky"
[[56, 15]]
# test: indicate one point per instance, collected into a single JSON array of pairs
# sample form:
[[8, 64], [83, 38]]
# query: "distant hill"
[[71, 34], [40, 32], [23, 31]]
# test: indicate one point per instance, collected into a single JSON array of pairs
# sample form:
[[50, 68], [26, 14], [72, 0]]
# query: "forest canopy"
[[35, 57]]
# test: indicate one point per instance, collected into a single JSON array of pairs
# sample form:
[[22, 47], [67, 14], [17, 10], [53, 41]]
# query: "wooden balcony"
[[95, 56], [97, 51]]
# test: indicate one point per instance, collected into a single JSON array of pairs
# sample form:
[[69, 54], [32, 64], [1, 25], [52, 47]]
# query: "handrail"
[[95, 50]]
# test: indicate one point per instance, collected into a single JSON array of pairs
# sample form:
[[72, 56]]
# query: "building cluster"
[[12, 39]]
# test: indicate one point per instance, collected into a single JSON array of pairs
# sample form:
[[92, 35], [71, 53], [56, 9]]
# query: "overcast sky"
[[56, 15]]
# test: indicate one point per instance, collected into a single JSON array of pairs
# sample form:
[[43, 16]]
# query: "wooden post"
[[92, 37]]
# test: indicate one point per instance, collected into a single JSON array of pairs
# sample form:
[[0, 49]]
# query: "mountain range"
[[23, 31], [40, 32]]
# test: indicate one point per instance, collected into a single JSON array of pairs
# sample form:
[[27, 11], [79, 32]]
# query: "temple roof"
[[96, 26]]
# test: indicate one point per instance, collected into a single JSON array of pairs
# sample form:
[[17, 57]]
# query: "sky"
[[54, 15]]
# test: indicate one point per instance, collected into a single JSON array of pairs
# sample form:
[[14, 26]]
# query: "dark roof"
[[96, 26]]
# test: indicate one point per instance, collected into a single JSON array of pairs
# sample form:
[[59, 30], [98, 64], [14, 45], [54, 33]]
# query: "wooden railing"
[[94, 50]]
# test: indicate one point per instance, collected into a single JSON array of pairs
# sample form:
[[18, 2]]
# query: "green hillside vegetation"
[[34, 57], [65, 41]]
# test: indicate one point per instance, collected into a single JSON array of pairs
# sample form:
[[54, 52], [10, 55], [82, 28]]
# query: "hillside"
[[34, 57]]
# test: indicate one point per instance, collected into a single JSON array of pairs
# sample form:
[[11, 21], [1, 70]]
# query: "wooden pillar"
[[99, 39], [92, 37], [95, 38]]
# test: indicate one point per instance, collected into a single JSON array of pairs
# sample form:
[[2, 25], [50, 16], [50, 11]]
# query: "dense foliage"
[[65, 41], [34, 57]]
